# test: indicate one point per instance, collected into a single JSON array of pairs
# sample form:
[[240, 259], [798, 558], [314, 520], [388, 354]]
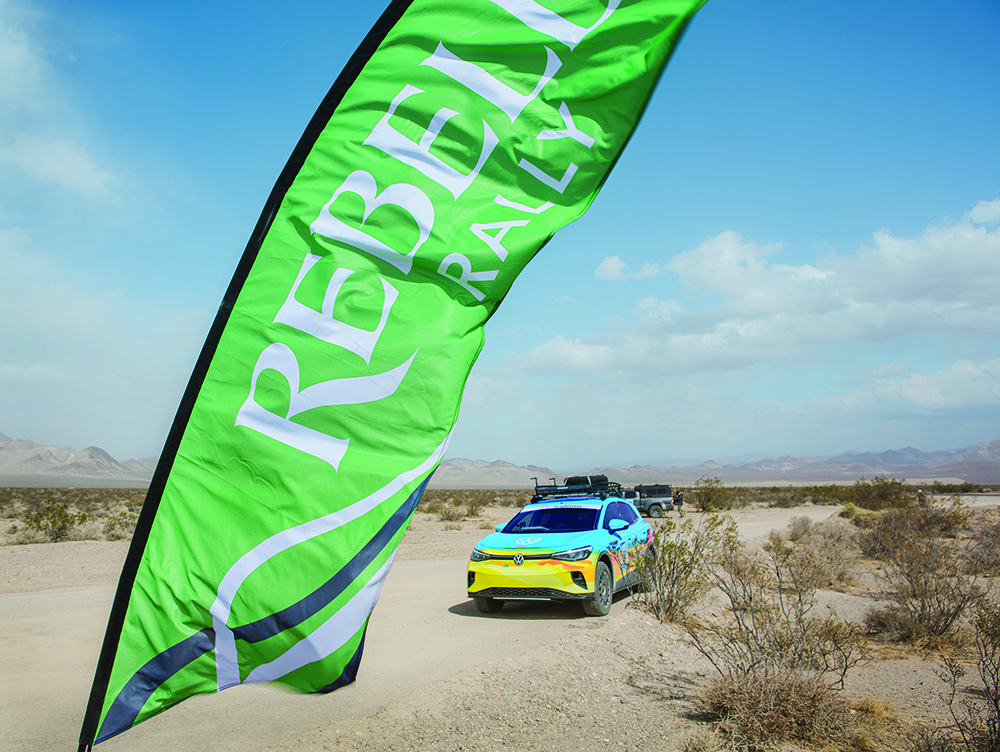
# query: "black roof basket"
[[578, 485]]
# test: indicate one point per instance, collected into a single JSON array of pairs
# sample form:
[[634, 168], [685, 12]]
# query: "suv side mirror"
[[615, 525], [500, 527]]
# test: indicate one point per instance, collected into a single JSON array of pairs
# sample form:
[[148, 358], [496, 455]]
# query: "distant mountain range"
[[977, 464], [24, 463]]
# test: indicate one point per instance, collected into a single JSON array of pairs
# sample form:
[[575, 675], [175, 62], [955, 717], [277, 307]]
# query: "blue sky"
[[798, 253]]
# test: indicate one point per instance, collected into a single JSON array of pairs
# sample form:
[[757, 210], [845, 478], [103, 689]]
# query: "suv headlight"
[[576, 554], [478, 555]]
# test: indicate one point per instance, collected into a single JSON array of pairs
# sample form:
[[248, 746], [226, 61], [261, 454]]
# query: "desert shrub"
[[474, 507], [452, 526], [120, 524], [760, 711], [798, 528], [674, 573], [55, 520], [777, 664], [975, 716], [965, 487], [984, 552], [22, 536], [710, 495], [450, 513], [771, 595], [987, 624], [862, 518], [886, 530], [831, 547], [90, 529], [881, 493], [701, 741], [928, 577]]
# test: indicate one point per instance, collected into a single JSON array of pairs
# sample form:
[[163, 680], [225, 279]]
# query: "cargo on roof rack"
[[578, 485]]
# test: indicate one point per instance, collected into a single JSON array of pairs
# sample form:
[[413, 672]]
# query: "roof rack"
[[578, 485]]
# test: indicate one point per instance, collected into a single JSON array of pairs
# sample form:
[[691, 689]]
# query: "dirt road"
[[428, 650]]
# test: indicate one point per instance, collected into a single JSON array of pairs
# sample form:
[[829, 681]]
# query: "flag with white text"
[[460, 137]]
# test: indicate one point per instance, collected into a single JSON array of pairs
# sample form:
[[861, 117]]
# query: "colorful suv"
[[564, 545]]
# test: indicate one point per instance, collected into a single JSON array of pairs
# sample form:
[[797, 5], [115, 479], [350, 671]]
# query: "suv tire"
[[600, 604], [489, 605]]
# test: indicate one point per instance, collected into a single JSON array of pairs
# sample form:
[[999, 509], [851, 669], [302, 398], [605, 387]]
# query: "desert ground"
[[437, 675]]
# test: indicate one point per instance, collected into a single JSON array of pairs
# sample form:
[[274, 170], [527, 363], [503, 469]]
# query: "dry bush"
[[452, 526], [450, 513], [760, 711], [798, 528], [675, 573], [881, 536], [20, 536], [474, 507], [41, 515], [701, 741], [860, 518], [931, 579], [987, 624], [984, 552], [833, 547], [975, 725], [90, 529], [778, 665], [770, 626], [120, 524]]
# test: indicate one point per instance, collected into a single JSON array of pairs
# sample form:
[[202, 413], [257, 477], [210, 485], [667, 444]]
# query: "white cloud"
[[40, 133], [615, 270], [743, 308], [57, 160], [961, 386], [24, 72], [985, 212], [572, 356]]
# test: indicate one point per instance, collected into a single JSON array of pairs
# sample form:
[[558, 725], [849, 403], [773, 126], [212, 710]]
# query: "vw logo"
[[528, 541], [518, 559]]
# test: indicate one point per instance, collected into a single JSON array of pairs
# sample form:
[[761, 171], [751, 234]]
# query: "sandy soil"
[[437, 674]]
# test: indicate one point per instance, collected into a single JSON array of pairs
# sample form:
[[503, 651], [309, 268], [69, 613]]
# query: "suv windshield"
[[554, 519]]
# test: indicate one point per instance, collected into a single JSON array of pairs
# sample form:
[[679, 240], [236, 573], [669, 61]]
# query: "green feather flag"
[[461, 136]]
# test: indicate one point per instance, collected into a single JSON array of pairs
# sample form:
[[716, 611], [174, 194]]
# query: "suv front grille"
[[518, 593]]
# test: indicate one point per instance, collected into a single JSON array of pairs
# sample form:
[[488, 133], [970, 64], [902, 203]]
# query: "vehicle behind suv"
[[653, 499]]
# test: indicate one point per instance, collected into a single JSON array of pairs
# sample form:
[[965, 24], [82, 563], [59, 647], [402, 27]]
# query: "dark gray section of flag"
[[159, 669]]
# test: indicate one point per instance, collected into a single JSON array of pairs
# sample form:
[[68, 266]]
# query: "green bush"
[[55, 520], [882, 493], [674, 573], [710, 495]]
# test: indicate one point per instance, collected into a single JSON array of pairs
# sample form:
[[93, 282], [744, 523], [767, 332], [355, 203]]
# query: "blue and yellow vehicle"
[[570, 543]]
